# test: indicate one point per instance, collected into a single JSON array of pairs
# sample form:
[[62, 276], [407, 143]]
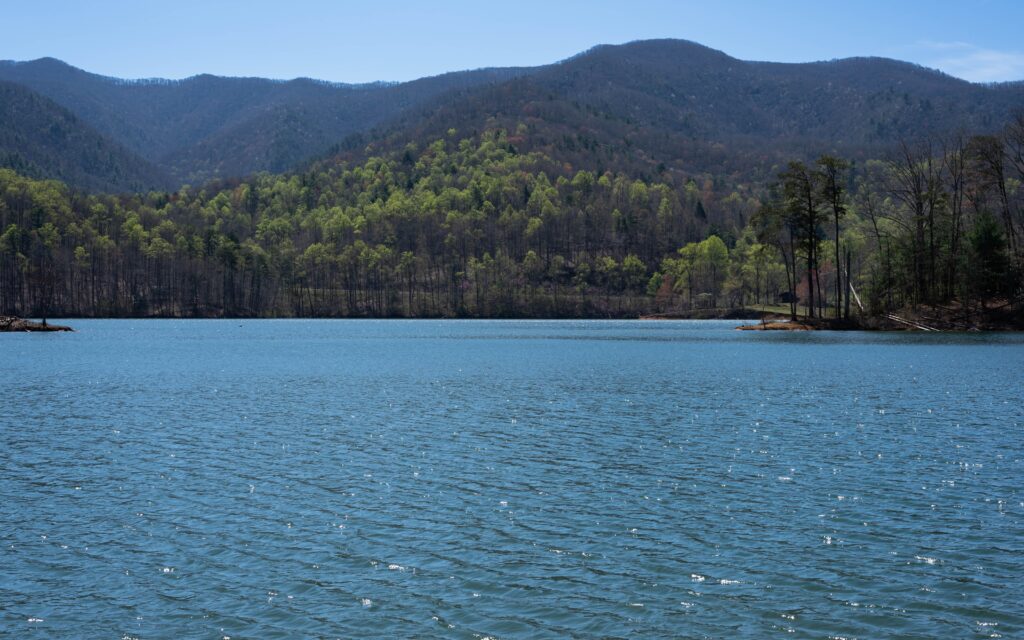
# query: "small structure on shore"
[[14, 323]]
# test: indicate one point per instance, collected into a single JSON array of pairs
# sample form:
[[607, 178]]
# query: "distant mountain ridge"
[[634, 106], [676, 101], [207, 126], [41, 139]]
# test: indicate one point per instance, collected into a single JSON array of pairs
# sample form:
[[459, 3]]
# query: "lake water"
[[509, 479]]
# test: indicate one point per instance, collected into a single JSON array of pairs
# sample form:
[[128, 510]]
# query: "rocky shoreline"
[[13, 323]]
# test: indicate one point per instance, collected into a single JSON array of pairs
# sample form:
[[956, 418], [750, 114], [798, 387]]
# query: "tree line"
[[937, 222], [474, 228]]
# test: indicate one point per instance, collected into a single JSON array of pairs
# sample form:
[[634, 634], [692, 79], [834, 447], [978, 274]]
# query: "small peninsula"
[[14, 323]]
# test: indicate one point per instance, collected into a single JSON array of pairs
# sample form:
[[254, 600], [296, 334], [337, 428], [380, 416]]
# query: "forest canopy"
[[472, 227]]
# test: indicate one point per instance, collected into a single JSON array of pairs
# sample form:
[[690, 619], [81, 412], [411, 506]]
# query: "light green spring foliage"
[[411, 234], [458, 227]]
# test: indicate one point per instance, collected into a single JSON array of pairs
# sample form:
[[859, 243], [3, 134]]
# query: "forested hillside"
[[476, 226], [634, 108], [657, 176], [41, 139], [648, 105], [207, 126]]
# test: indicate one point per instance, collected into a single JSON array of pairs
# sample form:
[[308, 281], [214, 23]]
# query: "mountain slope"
[[640, 107], [207, 126], [41, 139], [668, 101]]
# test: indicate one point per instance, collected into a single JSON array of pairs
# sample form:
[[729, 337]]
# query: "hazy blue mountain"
[[633, 107], [677, 102], [41, 139], [208, 126]]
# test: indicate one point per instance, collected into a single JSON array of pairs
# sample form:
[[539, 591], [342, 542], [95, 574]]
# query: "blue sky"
[[363, 41]]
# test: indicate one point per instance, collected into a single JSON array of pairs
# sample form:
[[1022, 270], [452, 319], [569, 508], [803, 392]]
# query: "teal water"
[[508, 479]]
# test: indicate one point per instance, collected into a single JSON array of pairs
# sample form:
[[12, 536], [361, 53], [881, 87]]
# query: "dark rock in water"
[[12, 323]]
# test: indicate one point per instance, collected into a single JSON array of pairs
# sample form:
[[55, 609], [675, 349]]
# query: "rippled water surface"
[[294, 479]]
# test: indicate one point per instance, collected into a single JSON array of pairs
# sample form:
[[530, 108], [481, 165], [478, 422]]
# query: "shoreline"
[[768, 321], [13, 324]]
